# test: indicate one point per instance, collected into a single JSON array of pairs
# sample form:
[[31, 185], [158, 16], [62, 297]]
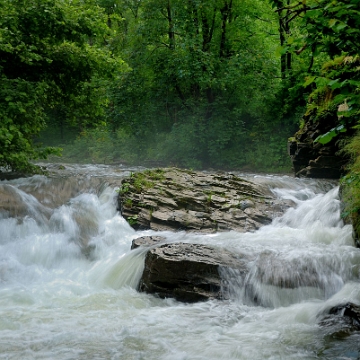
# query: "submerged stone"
[[341, 320]]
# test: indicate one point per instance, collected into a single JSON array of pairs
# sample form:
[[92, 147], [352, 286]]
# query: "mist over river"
[[57, 302]]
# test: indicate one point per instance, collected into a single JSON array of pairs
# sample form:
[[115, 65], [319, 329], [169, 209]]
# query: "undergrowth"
[[350, 184]]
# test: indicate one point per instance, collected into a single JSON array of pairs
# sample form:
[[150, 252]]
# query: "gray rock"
[[17, 204], [147, 241], [188, 272], [341, 320], [312, 159], [174, 199]]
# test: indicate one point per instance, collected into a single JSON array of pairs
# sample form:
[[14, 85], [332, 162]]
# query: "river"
[[58, 303]]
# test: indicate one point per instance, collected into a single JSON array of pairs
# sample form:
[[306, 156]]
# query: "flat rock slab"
[[175, 199], [147, 241], [188, 272]]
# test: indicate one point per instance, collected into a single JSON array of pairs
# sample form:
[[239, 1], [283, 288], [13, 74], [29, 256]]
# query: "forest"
[[199, 84]]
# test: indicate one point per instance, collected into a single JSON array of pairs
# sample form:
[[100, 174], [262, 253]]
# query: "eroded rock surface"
[[341, 320], [197, 272], [147, 241], [309, 157], [17, 204], [188, 272], [174, 199]]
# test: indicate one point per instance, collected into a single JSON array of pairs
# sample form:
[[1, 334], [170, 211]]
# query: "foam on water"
[[68, 281]]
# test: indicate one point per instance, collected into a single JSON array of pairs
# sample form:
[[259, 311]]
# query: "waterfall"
[[68, 280]]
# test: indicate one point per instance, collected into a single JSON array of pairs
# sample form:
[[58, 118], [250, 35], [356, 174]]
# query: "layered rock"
[[311, 158], [147, 241], [197, 272], [174, 199], [188, 272]]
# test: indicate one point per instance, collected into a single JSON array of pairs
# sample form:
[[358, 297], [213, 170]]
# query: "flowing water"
[[58, 301]]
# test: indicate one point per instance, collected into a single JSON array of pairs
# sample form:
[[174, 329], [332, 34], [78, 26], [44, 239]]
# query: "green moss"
[[128, 203], [350, 185], [209, 196], [146, 179], [132, 220], [157, 174], [124, 188]]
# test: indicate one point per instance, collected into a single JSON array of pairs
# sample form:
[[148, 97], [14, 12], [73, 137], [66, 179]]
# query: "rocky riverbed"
[[181, 200]]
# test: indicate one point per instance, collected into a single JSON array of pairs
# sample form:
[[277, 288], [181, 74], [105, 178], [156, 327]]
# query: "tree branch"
[[288, 7], [299, 51]]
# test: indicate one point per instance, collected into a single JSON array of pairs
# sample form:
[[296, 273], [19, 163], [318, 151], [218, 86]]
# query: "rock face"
[[174, 199], [312, 159], [187, 272]]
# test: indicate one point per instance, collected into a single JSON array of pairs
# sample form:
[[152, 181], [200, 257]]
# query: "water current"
[[57, 302]]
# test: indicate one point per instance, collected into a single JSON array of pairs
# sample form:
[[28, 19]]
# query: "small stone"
[[244, 204]]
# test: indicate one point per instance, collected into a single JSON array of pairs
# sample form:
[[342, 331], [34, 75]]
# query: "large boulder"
[[188, 272], [174, 199], [197, 272]]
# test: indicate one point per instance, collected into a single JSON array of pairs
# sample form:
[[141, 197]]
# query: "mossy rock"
[[177, 199]]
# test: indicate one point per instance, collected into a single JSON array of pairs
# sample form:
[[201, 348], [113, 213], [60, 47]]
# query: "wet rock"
[[174, 199], [11, 203], [272, 269], [341, 320], [17, 204], [311, 158], [12, 175], [147, 241], [188, 272]]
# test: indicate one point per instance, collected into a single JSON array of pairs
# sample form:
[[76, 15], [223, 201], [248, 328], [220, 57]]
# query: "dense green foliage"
[[203, 89], [220, 83], [330, 34], [350, 185], [49, 63]]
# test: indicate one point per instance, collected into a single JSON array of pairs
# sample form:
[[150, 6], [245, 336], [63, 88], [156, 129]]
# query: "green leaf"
[[334, 84], [327, 137], [341, 26], [332, 22], [309, 80]]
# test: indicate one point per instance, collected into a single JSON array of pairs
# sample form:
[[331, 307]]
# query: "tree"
[[52, 54], [331, 31], [202, 72]]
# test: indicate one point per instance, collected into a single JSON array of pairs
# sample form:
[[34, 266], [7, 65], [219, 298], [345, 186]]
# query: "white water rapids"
[[57, 303]]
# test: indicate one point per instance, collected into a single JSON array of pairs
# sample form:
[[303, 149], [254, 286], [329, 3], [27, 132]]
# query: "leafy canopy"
[[52, 53], [330, 29]]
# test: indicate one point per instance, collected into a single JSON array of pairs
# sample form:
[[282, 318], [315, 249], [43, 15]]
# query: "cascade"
[[68, 280]]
